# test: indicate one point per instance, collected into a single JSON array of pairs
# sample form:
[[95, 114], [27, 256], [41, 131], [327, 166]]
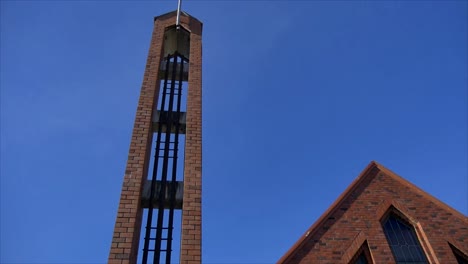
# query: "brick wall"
[[191, 212], [356, 217], [126, 237]]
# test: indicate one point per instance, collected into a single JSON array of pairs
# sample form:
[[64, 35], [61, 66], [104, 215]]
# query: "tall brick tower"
[[162, 182]]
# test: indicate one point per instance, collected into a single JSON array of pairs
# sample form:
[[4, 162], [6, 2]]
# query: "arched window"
[[403, 241], [362, 256]]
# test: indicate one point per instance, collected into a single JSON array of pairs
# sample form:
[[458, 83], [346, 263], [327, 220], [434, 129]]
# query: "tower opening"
[[166, 180]]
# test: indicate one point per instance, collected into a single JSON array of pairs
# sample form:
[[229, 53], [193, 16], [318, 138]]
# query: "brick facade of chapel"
[[356, 219]]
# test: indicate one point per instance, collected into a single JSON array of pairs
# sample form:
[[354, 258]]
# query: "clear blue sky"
[[298, 97]]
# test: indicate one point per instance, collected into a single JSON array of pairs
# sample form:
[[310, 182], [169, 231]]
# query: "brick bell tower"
[[159, 214]]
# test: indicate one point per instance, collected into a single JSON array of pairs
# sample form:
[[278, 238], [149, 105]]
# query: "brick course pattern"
[[191, 208], [126, 237], [356, 219]]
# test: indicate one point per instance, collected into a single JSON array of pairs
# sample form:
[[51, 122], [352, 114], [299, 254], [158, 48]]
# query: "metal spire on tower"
[[178, 13]]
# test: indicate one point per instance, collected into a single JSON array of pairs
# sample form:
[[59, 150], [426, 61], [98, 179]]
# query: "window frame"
[[399, 217]]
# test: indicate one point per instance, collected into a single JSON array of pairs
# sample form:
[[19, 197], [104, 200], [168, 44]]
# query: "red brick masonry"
[[355, 218], [125, 241]]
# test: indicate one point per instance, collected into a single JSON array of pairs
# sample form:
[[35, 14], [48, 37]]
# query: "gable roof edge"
[[420, 191], [336, 204], [370, 171]]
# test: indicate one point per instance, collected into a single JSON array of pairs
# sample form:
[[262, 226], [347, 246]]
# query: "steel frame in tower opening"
[[172, 87]]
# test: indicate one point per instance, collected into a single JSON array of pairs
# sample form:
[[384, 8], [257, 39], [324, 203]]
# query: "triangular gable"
[[341, 205]]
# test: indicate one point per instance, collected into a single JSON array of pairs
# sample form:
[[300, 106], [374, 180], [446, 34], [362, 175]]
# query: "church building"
[[382, 218]]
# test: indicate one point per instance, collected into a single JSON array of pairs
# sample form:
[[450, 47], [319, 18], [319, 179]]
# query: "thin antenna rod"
[[178, 12]]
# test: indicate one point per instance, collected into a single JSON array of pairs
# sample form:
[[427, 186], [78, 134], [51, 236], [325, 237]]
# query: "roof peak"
[[372, 170], [174, 14]]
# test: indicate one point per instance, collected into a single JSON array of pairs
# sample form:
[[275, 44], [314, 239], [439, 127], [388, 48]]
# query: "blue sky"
[[298, 97]]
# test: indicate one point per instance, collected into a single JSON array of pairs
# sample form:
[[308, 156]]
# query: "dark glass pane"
[[461, 260], [403, 242], [362, 259]]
